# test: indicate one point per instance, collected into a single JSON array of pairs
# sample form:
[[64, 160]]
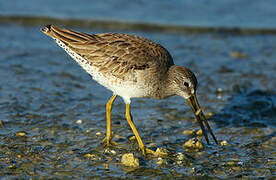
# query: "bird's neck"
[[167, 89]]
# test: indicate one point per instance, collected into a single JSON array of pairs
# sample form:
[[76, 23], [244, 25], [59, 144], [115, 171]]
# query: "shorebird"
[[131, 67]]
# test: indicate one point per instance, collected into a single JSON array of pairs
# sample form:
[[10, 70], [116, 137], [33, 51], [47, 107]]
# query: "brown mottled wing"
[[112, 52]]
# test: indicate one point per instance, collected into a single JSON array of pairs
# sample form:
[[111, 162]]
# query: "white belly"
[[126, 90]]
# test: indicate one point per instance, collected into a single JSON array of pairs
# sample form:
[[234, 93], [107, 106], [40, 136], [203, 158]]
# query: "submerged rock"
[[237, 54], [128, 159], [110, 151], [224, 143], [161, 161], [161, 152], [79, 121], [132, 138], [98, 133], [21, 134], [199, 132], [189, 132], [193, 143], [91, 156]]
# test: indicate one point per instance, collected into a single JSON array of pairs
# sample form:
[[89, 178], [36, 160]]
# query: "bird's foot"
[[108, 142], [146, 151]]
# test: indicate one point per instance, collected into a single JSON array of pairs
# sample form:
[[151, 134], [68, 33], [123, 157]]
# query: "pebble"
[[231, 163], [189, 132], [161, 152], [89, 130], [98, 133], [90, 156], [209, 115], [224, 143], [161, 161], [132, 138], [13, 166], [180, 156], [199, 132], [108, 151], [193, 143], [192, 170], [238, 55], [117, 136], [219, 90], [79, 121], [21, 134], [128, 159]]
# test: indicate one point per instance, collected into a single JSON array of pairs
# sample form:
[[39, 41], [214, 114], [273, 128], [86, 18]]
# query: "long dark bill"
[[200, 116]]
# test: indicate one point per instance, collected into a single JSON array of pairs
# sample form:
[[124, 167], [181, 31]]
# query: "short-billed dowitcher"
[[132, 67]]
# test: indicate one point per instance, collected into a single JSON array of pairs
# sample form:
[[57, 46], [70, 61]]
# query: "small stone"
[[193, 143], [209, 115], [6, 160], [113, 152], [117, 136], [199, 132], [98, 133], [224, 143], [238, 55], [79, 121], [180, 156], [219, 90], [21, 134], [110, 151], [128, 159], [199, 145], [161, 152], [161, 161], [90, 156], [13, 166], [192, 170], [106, 166], [189, 132], [89, 130], [271, 162], [201, 153], [132, 138], [231, 163]]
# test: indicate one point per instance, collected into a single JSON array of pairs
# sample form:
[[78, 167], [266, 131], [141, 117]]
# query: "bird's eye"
[[186, 84]]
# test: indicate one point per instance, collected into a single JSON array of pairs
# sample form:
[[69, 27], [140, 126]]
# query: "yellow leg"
[[138, 138], [108, 138]]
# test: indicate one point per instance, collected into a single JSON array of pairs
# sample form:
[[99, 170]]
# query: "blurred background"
[[235, 13], [52, 114]]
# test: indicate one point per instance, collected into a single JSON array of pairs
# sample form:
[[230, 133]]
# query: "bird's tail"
[[65, 35]]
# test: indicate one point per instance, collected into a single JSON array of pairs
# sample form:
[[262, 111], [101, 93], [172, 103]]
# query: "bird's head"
[[184, 83]]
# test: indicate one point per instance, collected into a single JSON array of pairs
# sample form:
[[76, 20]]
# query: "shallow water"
[[44, 94], [234, 13]]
